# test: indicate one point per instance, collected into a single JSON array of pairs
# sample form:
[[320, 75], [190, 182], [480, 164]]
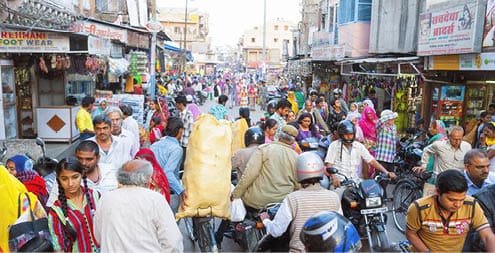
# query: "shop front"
[[459, 87]]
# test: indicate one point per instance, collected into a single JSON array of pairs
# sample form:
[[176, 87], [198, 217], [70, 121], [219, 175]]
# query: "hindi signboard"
[[451, 27]]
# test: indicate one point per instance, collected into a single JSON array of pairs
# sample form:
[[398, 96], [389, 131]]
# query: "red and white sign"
[[154, 26], [99, 30]]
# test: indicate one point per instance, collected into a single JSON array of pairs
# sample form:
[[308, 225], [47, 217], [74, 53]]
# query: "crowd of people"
[[120, 189]]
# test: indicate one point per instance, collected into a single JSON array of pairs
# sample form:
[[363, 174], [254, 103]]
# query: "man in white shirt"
[[449, 153], [346, 154], [133, 218], [113, 149], [116, 116], [129, 123]]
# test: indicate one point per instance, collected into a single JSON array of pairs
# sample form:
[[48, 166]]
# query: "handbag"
[[29, 236]]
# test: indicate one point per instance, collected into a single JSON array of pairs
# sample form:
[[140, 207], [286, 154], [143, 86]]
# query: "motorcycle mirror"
[[40, 142], [332, 170]]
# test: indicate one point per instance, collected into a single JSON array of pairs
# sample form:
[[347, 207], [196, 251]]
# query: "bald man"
[[134, 218]]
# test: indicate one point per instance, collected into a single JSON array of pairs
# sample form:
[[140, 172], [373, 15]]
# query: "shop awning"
[[172, 46], [380, 60]]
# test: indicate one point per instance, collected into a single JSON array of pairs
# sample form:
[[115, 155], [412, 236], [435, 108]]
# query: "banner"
[[99, 46], [33, 42], [483, 61], [451, 27], [99, 30]]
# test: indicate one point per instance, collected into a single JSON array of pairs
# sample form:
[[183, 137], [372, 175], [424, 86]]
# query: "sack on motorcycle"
[[207, 169]]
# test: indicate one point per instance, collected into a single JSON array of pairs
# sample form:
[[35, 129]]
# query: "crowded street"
[[247, 126]]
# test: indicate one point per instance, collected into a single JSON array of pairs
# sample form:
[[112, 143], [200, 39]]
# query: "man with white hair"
[[134, 218], [116, 115]]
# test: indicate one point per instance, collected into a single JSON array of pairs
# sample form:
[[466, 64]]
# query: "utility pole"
[[263, 54], [184, 53]]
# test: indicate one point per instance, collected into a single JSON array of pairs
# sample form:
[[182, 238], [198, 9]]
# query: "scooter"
[[364, 205]]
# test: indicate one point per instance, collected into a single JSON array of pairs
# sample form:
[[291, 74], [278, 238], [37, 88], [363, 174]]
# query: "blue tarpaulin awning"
[[170, 45]]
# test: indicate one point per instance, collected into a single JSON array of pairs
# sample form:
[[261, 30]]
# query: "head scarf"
[[22, 163], [292, 99], [367, 125], [159, 181], [162, 109], [369, 103]]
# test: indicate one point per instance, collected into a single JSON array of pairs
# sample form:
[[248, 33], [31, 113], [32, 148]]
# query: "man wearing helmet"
[[346, 154], [298, 206], [328, 231], [253, 137]]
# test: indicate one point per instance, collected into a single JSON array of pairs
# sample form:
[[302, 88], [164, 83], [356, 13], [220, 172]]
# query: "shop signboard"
[[137, 39], [451, 27], [99, 30], [466, 62], [327, 53], [16, 41], [99, 46], [489, 27]]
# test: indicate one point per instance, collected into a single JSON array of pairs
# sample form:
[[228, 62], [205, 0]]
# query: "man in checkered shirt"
[[386, 139]]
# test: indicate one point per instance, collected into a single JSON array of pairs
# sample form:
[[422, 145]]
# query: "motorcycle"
[[200, 97], [251, 235], [45, 166], [409, 152], [364, 205]]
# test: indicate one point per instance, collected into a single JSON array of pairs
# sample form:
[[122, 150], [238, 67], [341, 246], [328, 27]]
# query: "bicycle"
[[203, 232], [407, 189]]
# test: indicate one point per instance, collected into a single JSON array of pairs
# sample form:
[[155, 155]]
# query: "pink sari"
[[369, 133]]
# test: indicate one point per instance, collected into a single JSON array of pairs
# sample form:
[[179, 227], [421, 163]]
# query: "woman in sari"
[[436, 131], [159, 181], [368, 125], [161, 110]]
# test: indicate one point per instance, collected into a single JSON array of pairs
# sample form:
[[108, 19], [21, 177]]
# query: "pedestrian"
[[293, 101], [489, 145], [21, 167], [281, 111], [440, 223], [161, 110], [83, 118], [368, 125], [70, 219], [113, 150], [231, 89], [168, 153], [252, 92], [336, 112], [436, 132], [476, 171], [299, 205], [156, 130], [187, 119], [243, 95], [194, 108], [126, 136], [128, 122], [159, 181], [101, 109], [136, 219], [386, 139], [449, 153], [219, 110], [269, 127]]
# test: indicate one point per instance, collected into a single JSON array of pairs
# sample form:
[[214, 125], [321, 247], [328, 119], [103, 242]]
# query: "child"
[[156, 129]]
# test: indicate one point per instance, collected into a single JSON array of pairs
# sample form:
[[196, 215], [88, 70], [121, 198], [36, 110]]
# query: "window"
[[275, 40], [101, 5], [253, 40], [275, 28], [323, 19], [286, 28], [354, 11], [330, 18]]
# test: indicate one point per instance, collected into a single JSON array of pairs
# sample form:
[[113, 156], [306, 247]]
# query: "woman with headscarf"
[[436, 131], [291, 96], [159, 181], [161, 110], [101, 109], [368, 125], [22, 168], [369, 103]]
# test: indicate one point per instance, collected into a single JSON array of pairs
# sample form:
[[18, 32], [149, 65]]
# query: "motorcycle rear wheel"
[[405, 192]]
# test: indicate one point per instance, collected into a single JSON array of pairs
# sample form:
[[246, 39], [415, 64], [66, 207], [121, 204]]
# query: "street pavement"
[[229, 245]]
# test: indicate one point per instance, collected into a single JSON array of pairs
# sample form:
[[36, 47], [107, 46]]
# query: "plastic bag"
[[237, 210], [207, 169]]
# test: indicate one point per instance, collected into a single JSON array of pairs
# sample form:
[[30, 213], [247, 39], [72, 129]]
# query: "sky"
[[230, 18]]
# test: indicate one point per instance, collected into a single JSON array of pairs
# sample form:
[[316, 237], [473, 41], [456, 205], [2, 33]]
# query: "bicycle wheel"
[[405, 192], [189, 228], [205, 235]]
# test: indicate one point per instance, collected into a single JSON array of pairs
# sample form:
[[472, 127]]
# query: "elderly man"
[[449, 153], [269, 180], [134, 218], [116, 115], [476, 171]]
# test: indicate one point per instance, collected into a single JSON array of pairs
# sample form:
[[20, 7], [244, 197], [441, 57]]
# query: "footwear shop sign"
[[16, 41], [451, 27]]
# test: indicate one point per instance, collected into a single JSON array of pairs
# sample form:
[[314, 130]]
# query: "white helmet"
[[308, 165]]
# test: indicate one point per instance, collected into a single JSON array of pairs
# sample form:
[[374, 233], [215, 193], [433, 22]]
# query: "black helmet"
[[337, 91], [346, 127], [254, 135], [328, 231]]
